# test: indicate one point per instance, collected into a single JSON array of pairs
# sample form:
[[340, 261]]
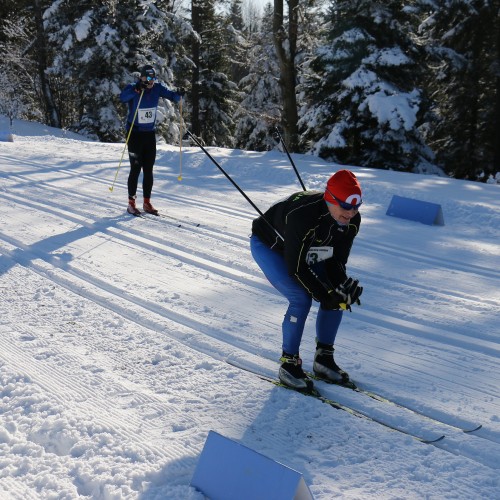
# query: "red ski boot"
[[148, 208], [132, 209]]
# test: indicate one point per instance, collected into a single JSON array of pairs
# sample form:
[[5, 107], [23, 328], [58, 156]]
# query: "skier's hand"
[[332, 302], [181, 92], [349, 293], [140, 86]]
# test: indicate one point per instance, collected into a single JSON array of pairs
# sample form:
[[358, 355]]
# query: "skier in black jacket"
[[302, 245]]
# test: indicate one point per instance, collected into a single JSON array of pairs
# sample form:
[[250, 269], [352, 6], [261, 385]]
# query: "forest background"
[[405, 85]]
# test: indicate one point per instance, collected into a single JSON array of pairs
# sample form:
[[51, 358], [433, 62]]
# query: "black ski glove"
[[140, 86], [181, 91], [344, 296], [349, 291], [331, 303]]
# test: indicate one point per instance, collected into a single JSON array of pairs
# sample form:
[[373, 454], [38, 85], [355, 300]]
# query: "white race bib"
[[146, 115], [318, 254]]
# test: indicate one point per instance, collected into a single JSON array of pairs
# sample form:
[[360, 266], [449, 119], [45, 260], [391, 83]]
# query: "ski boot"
[[148, 208], [325, 367], [292, 375], [132, 209]]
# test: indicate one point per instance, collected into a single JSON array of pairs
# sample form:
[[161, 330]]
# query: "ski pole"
[[277, 132], [126, 142], [234, 184], [342, 305], [179, 178]]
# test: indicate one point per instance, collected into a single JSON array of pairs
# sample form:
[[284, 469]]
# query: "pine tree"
[[236, 42], [252, 16], [462, 38], [97, 47], [365, 105], [260, 109], [213, 94]]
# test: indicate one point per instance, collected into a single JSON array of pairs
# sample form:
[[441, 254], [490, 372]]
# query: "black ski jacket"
[[310, 235]]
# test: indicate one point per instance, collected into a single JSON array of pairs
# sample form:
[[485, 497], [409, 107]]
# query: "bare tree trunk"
[[51, 111], [285, 42]]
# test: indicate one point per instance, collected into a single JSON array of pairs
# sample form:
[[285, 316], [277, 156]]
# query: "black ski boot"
[[325, 367], [292, 375]]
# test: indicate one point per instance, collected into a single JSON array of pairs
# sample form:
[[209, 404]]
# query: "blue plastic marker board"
[[230, 471], [417, 210], [6, 137]]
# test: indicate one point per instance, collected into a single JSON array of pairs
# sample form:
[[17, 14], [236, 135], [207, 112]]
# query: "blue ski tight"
[[274, 268]]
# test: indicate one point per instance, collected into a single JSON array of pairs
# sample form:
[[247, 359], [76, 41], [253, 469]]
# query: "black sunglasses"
[[343, 204]]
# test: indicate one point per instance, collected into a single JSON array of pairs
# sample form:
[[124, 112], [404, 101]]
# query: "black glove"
[[181, 91], [140, 86], [332, 302], [349, 291], [343, 296]]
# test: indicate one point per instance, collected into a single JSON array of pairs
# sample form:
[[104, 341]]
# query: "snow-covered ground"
[[118, 335]]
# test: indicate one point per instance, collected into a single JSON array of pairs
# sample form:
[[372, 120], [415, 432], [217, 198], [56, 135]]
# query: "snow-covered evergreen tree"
[[252, 15], [462, 38], [97, 47], [365, 105], [260, 109], [311, 36], [236, 42], [213, 95]]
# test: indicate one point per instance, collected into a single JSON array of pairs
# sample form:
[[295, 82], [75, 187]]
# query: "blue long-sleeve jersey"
[[146, 114]]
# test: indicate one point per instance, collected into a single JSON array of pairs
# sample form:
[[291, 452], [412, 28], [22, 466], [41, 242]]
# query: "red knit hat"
[[344, 186]]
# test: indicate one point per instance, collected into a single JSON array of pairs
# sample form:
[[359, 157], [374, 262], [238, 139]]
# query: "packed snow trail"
[[115, 332]]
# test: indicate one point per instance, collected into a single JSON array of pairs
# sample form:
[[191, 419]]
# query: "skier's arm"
[[336, 266], [297, 238], [169, 94], [128, 93]]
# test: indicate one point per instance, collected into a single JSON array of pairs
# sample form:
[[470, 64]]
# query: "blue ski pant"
[[274, 268]]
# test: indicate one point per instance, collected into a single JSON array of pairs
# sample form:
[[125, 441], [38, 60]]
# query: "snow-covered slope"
[[117, 333]]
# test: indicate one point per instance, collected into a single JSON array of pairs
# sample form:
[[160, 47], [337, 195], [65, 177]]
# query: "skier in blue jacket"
[[143, 97]]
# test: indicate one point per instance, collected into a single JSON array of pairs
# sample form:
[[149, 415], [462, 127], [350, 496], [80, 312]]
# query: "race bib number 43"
[[318, 254], [146, 115]]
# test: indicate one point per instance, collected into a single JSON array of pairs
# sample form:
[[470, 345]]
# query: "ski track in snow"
[[209, 322], [200, 262]]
